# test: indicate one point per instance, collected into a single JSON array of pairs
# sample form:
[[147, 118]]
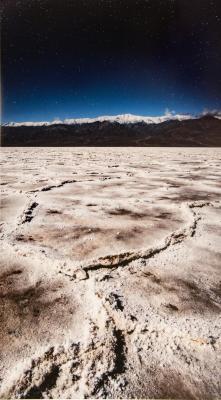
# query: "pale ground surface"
[[110, 273]]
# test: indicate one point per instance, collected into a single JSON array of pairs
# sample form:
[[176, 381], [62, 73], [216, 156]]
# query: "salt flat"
[[110, 273]]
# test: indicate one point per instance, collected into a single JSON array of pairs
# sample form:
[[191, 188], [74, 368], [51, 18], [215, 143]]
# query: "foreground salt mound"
[[110, 280]]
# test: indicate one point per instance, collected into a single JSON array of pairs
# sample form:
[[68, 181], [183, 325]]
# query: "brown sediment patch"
[[179, 294], [172, 307], [126, 235], [190, 296], [64, 233], [213, 228], [191, 195], [81, 231], [163, 215], [24, 238], [18, 290], [175, 185], [24, 304], [197, 178], [166, 197], [217, 290], [127, 212], [84, 249], [8, 274], [52, 212], [171, 385], [153, 277]]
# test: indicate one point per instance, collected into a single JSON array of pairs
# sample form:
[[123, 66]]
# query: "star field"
[[78, 58]]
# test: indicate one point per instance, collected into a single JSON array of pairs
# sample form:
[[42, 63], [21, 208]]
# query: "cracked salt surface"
[[110, 286]]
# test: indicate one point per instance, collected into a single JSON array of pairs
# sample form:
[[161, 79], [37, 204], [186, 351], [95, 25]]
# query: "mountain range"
[[121, 130], [121, 119]]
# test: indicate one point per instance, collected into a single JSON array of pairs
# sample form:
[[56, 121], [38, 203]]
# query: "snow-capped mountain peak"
[[121, 119]]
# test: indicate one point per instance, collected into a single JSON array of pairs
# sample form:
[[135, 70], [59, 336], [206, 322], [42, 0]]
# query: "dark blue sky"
[[79, 58]]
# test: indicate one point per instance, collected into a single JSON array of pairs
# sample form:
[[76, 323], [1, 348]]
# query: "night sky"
[[83, 58]]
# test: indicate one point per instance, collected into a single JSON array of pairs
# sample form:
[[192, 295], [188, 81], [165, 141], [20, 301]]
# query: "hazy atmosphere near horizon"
[[110, 211], [72, 59]]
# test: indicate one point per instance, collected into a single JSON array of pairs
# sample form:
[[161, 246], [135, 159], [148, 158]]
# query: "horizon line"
[[120, 118]]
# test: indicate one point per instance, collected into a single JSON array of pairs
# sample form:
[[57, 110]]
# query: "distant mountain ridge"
[[122, 130], [121, 119]]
